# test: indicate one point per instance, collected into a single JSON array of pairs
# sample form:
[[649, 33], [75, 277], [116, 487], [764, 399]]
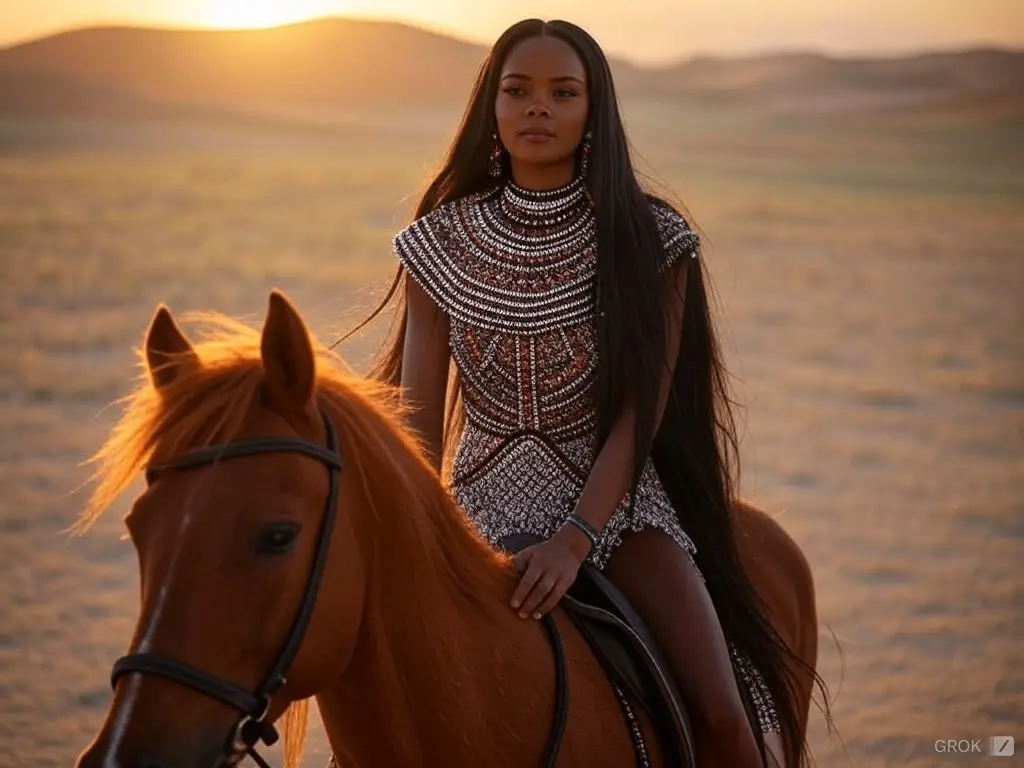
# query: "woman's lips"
[[536, 135]]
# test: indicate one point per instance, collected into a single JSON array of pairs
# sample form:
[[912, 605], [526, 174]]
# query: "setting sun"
[[262, 13]]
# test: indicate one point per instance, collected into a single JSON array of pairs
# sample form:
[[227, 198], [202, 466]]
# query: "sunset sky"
[[644, 30]]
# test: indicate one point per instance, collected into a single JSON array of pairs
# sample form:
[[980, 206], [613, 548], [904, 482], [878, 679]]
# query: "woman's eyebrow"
[[559, 79]]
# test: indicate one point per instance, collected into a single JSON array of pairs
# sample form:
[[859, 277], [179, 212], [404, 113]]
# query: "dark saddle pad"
[[626, 650]]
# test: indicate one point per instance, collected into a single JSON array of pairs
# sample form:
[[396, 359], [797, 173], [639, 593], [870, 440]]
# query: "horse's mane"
[[208, 403]]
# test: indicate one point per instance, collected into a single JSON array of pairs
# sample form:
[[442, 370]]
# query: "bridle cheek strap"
[[253, 727]]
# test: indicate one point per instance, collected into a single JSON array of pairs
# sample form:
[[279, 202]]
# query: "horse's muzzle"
[[206, 753]]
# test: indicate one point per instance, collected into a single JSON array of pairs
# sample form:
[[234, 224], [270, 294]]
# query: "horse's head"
[[241, 477]]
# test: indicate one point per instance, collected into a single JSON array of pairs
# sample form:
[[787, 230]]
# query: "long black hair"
[[695, 449]]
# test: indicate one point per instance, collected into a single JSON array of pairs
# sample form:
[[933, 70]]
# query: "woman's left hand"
[[548, 570]]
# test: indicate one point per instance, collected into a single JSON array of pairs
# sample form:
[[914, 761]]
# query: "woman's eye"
[[562, 94], [277, 538], [514, 90]]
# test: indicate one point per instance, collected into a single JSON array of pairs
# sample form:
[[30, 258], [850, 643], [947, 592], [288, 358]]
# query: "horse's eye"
[[277, 538]]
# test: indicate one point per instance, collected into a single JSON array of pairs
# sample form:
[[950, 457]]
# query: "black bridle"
[[253, 727]]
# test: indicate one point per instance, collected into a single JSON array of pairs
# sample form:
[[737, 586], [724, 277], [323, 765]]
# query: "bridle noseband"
[[253, 727]]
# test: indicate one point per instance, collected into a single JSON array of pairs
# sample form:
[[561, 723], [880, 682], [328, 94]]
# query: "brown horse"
[[409, 646]]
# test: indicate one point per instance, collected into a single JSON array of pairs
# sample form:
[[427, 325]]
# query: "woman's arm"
[[612, 471], [425, 360], [549, 568]]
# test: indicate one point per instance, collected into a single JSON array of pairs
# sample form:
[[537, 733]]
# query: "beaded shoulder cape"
[[515, 271], [518, 260]]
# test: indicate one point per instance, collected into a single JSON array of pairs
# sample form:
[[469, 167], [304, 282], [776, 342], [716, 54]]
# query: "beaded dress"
[[515, 272]]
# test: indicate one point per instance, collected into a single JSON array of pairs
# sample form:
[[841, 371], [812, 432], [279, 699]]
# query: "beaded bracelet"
[[589, 530]]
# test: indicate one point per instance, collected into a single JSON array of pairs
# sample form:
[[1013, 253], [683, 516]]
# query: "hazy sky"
[[643, 30]]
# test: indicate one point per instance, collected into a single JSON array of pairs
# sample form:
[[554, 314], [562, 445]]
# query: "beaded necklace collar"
[[531, 207]]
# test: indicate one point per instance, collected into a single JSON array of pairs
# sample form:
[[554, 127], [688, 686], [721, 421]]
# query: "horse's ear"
[[168, 350], [288, 361]]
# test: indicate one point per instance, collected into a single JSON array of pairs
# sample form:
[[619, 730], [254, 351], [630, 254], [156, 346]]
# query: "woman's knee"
[[658, 578], [650, 558]]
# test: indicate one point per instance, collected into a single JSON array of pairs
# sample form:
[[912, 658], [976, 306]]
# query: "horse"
[[294, 543]]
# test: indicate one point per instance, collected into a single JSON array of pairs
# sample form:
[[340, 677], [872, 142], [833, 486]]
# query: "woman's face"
[[542, 103]]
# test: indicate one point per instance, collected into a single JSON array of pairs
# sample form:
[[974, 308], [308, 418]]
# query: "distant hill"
[[814, 80], [330, 64], [333, 67]]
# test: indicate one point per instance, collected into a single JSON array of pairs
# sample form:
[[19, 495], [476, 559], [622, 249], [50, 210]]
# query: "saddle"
[[627, 652]]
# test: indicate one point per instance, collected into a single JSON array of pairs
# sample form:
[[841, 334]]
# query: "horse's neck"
[[434, 669]]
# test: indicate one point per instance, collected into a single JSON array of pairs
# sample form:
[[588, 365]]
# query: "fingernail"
[[522, 615], [515, 603], [536, 615]]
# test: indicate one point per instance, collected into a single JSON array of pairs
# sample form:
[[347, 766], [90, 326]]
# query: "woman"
[[590, 403]]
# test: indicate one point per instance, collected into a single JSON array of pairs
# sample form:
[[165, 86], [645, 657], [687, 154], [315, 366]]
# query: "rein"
[[562, 693]]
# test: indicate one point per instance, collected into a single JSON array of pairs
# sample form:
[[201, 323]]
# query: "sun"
[[260, 13]]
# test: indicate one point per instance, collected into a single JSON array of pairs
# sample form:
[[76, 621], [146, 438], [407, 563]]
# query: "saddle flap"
[[635, 663]]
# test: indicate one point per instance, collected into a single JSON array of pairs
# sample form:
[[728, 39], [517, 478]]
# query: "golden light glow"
[[261, 13]]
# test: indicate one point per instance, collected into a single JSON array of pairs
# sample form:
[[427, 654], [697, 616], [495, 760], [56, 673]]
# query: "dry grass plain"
[[871, 282]]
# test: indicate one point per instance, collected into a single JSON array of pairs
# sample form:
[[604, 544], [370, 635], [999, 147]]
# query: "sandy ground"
[[874, 331]]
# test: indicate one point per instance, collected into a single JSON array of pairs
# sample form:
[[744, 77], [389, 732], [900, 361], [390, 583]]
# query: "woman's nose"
[[538, 108]]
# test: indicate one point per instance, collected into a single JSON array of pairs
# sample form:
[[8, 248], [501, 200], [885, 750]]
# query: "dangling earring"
[[585, 154], [496, 165]]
